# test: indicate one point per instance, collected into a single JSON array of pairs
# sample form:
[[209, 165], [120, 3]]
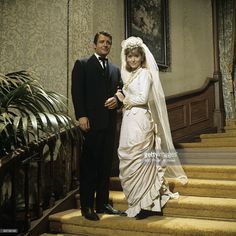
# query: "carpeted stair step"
[[230, 128], [221, 172], [109, 225], [218, 135], [189, 206], [205, 188], [206, 156], [219, 140], [195, 187], [223, 143], [211, 172]]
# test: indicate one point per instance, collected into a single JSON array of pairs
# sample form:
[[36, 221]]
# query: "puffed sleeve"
[[141, 98]]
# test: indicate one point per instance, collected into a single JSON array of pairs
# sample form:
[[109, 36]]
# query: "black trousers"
[[95, 167]]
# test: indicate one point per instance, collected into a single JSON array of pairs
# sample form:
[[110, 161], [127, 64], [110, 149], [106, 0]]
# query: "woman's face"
[[134, 59]]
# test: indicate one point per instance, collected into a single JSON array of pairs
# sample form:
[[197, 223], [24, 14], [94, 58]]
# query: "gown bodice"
[[137, 87]]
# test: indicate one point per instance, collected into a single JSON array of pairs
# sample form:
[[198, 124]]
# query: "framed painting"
[[148, 19]]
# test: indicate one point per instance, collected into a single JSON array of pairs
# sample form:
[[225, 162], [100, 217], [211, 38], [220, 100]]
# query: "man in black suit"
[[95, 82]]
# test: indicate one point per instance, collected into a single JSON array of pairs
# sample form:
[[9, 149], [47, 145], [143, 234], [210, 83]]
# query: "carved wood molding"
[[208, 82]]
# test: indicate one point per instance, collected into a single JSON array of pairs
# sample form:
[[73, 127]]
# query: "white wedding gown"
[[142, 178]]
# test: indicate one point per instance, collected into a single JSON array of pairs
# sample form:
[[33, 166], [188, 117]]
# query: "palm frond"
[[28, 110]]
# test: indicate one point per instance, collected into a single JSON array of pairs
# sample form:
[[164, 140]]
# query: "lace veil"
[[163, 139]]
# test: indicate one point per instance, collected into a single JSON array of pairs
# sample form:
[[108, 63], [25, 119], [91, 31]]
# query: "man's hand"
[[84, 123], [111, 103]]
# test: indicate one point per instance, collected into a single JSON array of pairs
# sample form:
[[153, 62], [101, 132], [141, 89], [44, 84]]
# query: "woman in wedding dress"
[[146, 150]]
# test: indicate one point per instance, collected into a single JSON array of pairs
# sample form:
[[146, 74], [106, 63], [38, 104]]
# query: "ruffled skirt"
[[142, 177]]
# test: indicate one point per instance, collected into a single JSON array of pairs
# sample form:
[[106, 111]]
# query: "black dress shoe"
[[123, 213], [143, 214], [108, 209], [89, 213], [159, 213]]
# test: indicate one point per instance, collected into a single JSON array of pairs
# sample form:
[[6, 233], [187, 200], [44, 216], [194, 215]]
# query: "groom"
[[94, 84]]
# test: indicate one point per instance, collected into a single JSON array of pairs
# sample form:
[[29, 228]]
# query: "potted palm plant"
[[28, 112]]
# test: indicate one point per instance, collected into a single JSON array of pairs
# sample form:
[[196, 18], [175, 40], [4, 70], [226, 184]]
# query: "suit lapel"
[[109, 69], [96, 63]]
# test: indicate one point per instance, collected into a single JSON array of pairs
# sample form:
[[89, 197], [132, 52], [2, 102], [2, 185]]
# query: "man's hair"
[[103, 33]]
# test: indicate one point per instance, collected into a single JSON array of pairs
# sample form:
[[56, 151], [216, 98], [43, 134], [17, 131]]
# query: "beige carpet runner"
[[206, 207]]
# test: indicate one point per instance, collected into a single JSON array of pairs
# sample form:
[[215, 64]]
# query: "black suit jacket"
[[91, 86]]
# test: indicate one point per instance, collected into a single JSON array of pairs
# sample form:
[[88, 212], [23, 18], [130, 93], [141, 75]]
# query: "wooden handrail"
[[30, 182], [207, 83]]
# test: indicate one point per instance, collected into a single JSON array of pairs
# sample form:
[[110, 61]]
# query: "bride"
[[146, 150]]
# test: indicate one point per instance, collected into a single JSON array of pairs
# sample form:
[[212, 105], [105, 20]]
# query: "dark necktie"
[[103, 60]]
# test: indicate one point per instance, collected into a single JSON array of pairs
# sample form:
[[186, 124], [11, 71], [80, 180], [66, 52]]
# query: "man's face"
[[103, 46]]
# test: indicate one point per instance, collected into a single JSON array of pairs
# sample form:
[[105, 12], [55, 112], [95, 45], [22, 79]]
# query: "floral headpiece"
[[132, 42]]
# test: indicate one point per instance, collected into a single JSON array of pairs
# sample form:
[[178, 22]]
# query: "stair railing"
[[34, 177]]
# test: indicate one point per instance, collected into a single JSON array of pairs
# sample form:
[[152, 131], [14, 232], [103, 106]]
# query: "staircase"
[[206, 207]]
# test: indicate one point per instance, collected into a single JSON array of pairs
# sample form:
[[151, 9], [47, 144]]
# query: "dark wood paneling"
[[192, 113], [198, 111], [178, 117]]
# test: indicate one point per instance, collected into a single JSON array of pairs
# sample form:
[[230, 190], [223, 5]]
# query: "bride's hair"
[[135, 51]]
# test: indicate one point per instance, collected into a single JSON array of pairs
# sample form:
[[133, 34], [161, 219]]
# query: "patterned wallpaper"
[[47, 36], [33, 36]]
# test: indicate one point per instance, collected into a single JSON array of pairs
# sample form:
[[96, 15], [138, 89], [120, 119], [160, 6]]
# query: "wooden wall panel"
[[192, 114], [198, 111], [178, 117]]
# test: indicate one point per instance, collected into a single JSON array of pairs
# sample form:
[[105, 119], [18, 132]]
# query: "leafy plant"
[[28, 112]]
